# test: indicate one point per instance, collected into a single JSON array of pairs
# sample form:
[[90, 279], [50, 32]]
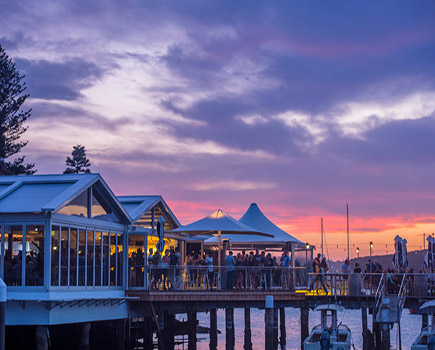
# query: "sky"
[[299, 106]]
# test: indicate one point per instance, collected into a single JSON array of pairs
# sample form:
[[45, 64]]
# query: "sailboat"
[[329, 331]]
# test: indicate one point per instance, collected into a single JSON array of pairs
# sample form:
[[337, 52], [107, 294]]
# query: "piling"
[[41, 338], [168, 330], [282, 330], [2, 314], [424, 320], [120, 334], [148, 333], [84, 335], [275, 328], [191, 329], [213, 329], [161, 338], [304, 325], [268, 321], [248, 342], [229, 329]]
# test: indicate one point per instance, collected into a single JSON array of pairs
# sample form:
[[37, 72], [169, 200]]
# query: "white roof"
[[49, 193], [238, 238], [254, 217], [218, 221], [428, 304]]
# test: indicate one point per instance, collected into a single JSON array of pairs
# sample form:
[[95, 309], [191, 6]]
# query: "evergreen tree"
[[78, 163], [12, 117]]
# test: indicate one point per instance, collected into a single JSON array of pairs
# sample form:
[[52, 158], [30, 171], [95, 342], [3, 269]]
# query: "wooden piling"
[[247, 342], [148, 333], [120, 334], [268, 322], [161, 338], [41, 338], [424, 320], [229, 329], [213, 329], [191, 329], [168, 330], [275, 328], [304, 325], [84, 335], [282, 330]]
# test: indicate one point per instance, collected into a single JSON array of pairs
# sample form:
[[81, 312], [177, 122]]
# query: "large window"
[[119, 270], [98, 258], [78, 206], [64, 256], [55, 256], [136, 260], [34, 271], [13, 272], [90, 258], [105, 258], [73, 256], [82, 257]]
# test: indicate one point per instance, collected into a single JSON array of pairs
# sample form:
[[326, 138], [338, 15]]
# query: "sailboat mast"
[[321, 232], [347, 220]]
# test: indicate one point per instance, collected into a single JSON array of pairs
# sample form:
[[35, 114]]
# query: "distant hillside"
[[415, 260]]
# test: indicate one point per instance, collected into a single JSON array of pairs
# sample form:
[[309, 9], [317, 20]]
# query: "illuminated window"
[[78, 206]]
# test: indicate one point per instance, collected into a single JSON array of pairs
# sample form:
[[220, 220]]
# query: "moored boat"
[[427, 334], [329, 334]]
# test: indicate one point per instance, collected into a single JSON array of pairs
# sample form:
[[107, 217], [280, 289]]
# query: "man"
[[345, 270], [229, 262], [285, 264], [209, 263], [317, 269]]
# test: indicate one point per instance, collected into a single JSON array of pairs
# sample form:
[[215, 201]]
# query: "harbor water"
[[410, 328]]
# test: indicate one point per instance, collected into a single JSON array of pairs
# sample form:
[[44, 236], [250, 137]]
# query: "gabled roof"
[[218, 221], [254, 217], [137, 206], [49, 193]]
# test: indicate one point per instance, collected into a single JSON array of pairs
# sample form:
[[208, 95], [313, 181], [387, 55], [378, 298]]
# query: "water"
[[410, 325]]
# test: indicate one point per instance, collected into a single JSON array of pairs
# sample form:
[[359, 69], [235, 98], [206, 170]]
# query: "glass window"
[[73, 257], [35, 255], [136, 260], [100, 209], [98, 257], [78, 206], [105, 258], [55, 231], [82, 256], [119, 271], [113, 253], [64, 256], [90, 258], [13, 255]]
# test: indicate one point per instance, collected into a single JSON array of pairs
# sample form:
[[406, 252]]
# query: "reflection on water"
[[352, 318]]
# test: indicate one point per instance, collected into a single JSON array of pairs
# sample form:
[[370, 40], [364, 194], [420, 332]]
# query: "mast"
[[347, 220], [321, 233]]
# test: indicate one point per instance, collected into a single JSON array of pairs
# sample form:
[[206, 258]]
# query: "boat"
[[422, 341], [329, 331]]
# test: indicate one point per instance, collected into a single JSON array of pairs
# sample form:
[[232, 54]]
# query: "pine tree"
[[78, 163], [12, 117]]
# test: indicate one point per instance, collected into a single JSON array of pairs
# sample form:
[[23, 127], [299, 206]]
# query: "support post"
[[282, 330], [268, 322], [148, 333], [275, 328], [366, 334], [248, 342], [213, 329], [304, 325], [191, 329], [168, 331], [120, 334], [84, 335], [161, 338], [2, 314], [229, 329], [41, 338], [424, 320]]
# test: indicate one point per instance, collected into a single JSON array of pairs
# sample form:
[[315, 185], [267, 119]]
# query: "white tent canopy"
[[255, 218]]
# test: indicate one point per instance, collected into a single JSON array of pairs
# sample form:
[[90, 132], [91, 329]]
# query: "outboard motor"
[[325, 340], [431, 344]]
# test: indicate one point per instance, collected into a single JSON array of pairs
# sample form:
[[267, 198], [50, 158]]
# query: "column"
[[229, 328], [148, 333], [213, 329], [84, 335], [268, 323], [191, 329], [304, 325], [168, 331], [282, 339], [41, 338], [248, 342], [275, 328]]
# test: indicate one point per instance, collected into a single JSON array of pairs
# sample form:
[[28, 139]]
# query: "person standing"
[[209, 263], [229, 263]]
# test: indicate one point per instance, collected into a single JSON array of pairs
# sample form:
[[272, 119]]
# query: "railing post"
[[2, 314]]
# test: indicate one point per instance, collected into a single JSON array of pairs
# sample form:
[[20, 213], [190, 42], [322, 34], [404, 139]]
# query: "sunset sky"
[[299, 106]]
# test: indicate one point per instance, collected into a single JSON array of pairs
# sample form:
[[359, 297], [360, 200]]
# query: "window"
[[98, 258], [82, 257], [100, 209], [105, 258], [78, 206], [90, 258], [112, 258], [34, 271], [55, 232], [64, 256], [13, 260], [119, 261], [136, 260], [73, 256]]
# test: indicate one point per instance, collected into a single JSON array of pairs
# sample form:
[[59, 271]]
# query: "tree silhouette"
[[78, 163], [12, 117]]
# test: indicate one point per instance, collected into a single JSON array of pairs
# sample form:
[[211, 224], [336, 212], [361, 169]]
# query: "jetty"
[[77, 274]]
